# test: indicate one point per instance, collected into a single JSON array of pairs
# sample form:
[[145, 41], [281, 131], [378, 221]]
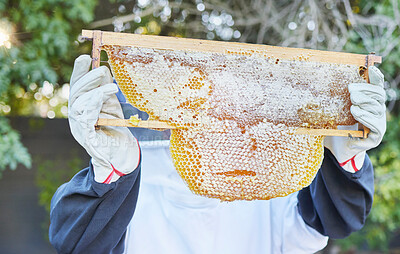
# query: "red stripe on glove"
[[108, 179], [353, 163]]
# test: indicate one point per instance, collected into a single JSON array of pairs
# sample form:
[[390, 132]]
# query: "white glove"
[[368, 109], [114, 150]]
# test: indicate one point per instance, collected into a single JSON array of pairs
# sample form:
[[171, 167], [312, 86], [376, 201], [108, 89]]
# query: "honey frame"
[[100, 38]]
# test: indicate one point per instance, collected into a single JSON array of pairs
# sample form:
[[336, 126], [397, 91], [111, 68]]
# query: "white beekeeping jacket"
[[169, 218]]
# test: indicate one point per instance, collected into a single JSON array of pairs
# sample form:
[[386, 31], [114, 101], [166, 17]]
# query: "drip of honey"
[[238, 113]]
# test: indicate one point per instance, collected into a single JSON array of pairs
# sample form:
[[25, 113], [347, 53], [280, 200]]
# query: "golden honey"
[[237, 114]]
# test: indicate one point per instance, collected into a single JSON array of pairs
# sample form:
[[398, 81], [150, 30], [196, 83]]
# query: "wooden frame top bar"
[[174, 43]]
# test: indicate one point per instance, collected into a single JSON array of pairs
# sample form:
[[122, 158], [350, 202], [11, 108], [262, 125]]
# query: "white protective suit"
[[171, 219]]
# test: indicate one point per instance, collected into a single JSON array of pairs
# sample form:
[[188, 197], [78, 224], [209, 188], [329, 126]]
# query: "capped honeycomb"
[[236, 115]]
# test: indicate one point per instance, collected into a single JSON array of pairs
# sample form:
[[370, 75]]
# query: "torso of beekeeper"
[[130, 199]]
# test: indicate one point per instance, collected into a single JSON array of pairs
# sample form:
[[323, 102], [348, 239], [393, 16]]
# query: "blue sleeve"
[[91, 217], [337, 202]]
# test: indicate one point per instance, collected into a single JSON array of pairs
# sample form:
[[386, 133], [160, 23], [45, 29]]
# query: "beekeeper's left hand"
[[368, 109]]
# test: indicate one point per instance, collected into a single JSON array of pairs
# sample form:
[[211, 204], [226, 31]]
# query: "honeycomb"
[[236, 115]]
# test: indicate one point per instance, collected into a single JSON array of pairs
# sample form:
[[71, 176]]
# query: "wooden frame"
[[101, 38]]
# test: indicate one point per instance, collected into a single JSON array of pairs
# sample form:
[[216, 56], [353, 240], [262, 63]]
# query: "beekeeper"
[[101, 209]]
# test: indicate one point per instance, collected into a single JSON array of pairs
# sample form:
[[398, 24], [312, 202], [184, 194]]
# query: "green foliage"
[[43, 39], [12, 151], [384, 219], [42, 48], [52, 173]]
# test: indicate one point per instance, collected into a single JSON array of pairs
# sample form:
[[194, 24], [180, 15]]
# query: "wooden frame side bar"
[[96, 48]]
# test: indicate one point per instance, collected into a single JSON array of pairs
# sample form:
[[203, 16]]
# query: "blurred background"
[[39, 40]]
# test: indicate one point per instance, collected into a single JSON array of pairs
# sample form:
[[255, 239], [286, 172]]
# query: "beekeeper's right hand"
[[114, 150]]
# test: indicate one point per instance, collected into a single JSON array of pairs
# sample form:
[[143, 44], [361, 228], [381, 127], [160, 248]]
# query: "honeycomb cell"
[[239, 112]]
